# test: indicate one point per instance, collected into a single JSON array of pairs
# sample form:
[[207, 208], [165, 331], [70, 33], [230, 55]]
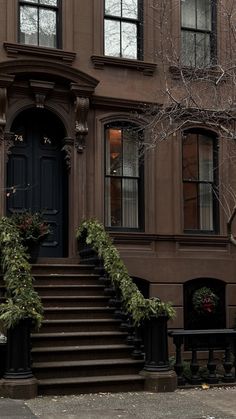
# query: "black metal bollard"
[[3, 348], [179, 368], [18, 351], [156, 344]]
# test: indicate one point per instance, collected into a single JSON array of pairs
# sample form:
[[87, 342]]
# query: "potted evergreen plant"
[[33, 230]]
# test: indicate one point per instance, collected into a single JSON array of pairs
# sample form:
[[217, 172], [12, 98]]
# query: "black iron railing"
[[210, 341], [149, 340]]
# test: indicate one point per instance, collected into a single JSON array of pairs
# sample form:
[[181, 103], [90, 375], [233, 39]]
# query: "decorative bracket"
[[8, 141], [3, 109], [5, 82], [81, 94], [68, 149], [81, 124], [41, 89]]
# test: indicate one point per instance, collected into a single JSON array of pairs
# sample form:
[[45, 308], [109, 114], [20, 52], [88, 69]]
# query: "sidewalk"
[[217, 403]]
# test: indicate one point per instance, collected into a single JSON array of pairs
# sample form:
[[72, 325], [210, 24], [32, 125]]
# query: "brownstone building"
[[75, 77]]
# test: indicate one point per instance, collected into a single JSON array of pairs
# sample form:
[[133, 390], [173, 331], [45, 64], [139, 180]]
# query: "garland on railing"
[[139, 307], [22, 301]]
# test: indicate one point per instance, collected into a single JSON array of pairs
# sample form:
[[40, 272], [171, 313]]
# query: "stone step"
[[53, 313], [75, 301], [66, 290], [86, 368], [79, 347], [78, 339], [75, 385], [79, 325], [60, 268], [79, 353], [66, 278]]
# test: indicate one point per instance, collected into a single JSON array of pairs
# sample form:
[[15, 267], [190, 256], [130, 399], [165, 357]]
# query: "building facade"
[[76, 79]]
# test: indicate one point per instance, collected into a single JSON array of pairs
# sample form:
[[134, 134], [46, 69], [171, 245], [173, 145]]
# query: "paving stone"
[[15, 409], [215, 403]]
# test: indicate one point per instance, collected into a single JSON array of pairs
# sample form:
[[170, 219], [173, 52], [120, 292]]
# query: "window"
[[123, 177], [122, 28], [199, 181], [198, 30], [39, 22]]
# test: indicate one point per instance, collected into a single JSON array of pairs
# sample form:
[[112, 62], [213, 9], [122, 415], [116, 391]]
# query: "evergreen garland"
[[22, 301], [139, 307]]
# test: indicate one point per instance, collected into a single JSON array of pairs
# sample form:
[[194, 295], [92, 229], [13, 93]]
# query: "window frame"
[[39, 6], [139, 24], [140, 179], [214, 183], [211, 32]]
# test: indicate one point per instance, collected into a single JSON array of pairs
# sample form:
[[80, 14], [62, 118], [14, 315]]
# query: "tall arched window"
[[199, 169], [123, 177]]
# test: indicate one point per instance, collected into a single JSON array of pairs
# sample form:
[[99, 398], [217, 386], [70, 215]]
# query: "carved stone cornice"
[[6, 79], [41, 89], [52, 70], [68, 149], [82, 89]]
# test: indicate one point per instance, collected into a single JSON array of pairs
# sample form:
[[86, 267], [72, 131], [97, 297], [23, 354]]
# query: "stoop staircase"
[[80, 347]]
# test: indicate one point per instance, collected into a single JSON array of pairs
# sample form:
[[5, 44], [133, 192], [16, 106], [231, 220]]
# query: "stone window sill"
[[210, 73], [14, 49], [99, 61]]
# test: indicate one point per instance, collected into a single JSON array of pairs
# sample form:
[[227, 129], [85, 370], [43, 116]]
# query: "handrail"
[[202, 332], [139, 307], [210, 340]]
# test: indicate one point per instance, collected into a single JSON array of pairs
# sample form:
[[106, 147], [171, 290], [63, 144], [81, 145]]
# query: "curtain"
[[130, 203], [205, 189]]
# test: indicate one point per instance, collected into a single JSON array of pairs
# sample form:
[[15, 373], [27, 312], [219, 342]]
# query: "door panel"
[[19, 175], [49, 198], [36, 173]]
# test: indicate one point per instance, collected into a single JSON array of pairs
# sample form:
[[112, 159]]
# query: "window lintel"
[[14, 49], [100, 61]]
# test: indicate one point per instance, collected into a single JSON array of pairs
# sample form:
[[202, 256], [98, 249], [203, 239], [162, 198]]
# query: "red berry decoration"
[[205, 301]]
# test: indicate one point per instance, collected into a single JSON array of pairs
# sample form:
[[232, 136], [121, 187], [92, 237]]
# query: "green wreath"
[[205, 301]]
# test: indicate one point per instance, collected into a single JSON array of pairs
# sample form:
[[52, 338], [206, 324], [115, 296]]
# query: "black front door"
[[36, 178]]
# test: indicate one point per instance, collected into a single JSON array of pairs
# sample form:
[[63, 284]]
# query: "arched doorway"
[[36, 174]]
